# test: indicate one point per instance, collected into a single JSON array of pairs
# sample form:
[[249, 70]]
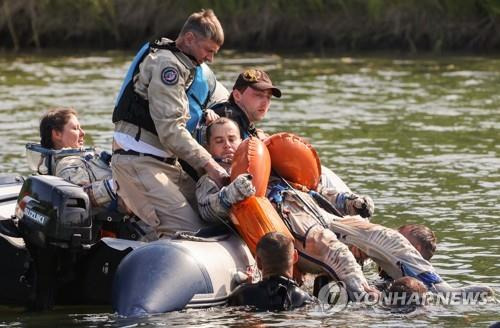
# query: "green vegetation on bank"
[[289, 25]]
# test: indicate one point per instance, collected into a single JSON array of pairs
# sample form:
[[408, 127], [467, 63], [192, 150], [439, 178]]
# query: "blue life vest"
[[132, 108], [199, 93], [133, 69]]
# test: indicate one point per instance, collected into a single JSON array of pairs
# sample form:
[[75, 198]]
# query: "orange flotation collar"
[[253, 157], [295, 160], [255, 216]]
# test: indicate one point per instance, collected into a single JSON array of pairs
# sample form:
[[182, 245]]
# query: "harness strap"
[[287, 186], [324, 203]]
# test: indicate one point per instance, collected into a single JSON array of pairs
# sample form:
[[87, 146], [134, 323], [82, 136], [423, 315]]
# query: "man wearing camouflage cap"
[[314, 228], [249, 101]]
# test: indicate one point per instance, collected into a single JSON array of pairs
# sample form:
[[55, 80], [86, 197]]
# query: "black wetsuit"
[[230, 110], [276, 293]]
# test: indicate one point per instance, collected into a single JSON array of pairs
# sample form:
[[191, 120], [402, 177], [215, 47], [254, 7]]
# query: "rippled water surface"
[[421, 136]]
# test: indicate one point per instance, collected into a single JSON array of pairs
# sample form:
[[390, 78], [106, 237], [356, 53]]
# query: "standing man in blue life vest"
[[156, 115]]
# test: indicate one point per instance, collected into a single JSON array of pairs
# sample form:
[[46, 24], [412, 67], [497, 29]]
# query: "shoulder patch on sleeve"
[[170, 76]]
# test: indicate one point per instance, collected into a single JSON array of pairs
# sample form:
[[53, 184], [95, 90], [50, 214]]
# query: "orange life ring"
[[294, 159], [254, 217], [253, 157]]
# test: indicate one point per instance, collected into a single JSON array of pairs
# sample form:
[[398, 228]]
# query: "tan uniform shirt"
[[162, 80]]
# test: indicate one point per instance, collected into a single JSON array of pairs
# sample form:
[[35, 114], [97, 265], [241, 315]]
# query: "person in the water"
[[315, 229], [277, 291], [405, 294], [421, 237]]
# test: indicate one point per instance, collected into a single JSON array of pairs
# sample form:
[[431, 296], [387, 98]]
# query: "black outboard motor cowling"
[[55, 222], [52, 211]]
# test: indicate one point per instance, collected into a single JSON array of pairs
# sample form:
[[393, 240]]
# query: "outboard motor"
[[56, 224], [52, 211], [70, 264]]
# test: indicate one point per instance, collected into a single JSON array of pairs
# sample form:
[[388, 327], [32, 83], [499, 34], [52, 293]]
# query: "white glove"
[[238, 190], [444, 287], [361, 205]]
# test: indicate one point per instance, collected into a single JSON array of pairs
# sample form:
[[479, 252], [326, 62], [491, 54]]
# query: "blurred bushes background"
[[291, 25]]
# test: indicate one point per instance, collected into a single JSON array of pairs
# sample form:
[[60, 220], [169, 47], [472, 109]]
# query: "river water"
[[421, 136]]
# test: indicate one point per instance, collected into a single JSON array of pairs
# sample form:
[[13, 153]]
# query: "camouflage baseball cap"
[[256, 79]]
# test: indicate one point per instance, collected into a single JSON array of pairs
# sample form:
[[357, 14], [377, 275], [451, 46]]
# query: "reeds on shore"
[[291, 25]]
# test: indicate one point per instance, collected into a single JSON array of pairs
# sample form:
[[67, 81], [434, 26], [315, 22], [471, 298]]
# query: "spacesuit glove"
[[238, 190], [359, 205], [480, 290]]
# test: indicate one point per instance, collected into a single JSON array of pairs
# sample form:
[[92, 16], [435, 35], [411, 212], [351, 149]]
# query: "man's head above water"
[[406, 292], [421, 237], [276, 255]]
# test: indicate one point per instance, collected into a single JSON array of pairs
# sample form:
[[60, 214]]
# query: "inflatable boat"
[[202, 270], [58, 252], [50, 238]]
